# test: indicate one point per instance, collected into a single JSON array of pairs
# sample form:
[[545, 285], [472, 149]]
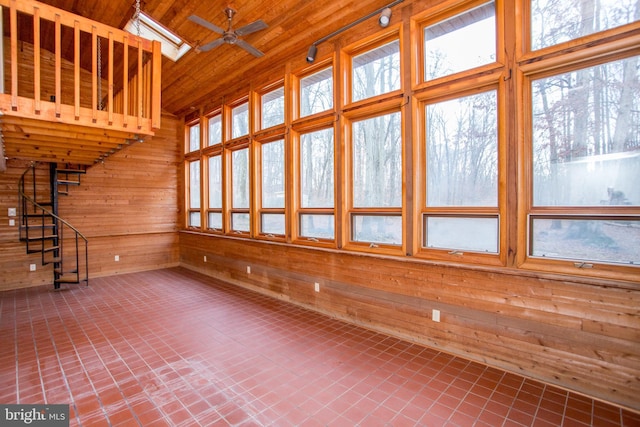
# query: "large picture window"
[[376, 180], [316, 198], [585, 153], [240, 197], [272, 183]]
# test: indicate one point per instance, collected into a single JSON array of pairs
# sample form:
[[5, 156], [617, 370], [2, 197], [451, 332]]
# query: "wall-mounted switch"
[[12, 212], [12, 223], [435, 315], [116, 258], [32, 267], [316, 287]]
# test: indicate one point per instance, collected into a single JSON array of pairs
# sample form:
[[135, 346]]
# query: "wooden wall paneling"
[[572, 333], [127, 206]]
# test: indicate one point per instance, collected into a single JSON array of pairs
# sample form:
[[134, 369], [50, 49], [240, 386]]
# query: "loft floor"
[[172, 347]]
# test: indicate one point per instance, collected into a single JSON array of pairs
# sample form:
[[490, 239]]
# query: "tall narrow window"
[[461, 42], [240, 201], [316, 195], [316, 92], [214, 213], [272, 217], [585, 154], [461, 211], [376, 182], [558, 21], [376, 71], [272, 108], [240, 120], [194, 193]]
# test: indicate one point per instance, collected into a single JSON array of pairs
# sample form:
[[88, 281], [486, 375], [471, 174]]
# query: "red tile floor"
[[172, 347]]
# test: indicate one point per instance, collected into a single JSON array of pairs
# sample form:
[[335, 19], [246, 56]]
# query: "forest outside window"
[[376, 71], [585, 155], [558, 21], [461, 42], [240, 199], [376, 180], [272, 188], [194, 193], [240, 120], [272, 108], [194, 137], [215, 129], [461, 149], [316, 171], [316, 92], [214, 211]]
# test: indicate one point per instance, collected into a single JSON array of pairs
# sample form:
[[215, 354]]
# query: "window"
[[558, 21], [240, 201], [376, 180], [215, 130], [376, 71], [316, 190], [586, 164], [316, 92], [214, 213], [172, 46], [461, 42], [194, 193], [272, 111], [240, 120], [272, 182], [194, 137], [462, 174]]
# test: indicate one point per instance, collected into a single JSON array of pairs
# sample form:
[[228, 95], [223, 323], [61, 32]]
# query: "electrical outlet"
[[12, 223], [316, 287], [248, 269], [435, 315], [116, 258], [32, 267]]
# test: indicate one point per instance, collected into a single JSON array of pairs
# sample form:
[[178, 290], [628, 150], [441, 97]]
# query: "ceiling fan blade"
[[246, 46], [206, 24], [211, 45], [251, 28]]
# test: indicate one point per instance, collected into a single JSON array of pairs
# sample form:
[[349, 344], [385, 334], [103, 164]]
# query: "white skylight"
[[173, 47]]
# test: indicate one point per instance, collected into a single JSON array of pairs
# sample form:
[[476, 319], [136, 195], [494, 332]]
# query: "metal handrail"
[[47, 212]]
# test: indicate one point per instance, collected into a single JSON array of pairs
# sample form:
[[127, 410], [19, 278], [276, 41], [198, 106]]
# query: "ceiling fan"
[[230, 36]]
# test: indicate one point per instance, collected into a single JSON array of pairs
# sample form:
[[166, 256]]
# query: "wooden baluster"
[[13, 16], [36, 60], [94, 74], [139, 76], [110, 100], [76, 63], [125, 83], [58, 66]]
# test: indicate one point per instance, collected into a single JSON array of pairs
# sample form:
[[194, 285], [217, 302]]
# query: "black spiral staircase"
[[44, 232]]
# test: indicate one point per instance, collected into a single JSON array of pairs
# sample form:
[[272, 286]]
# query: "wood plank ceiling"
[[195, 79]]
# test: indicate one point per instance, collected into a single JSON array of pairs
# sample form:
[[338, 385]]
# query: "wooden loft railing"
[[123, 91]]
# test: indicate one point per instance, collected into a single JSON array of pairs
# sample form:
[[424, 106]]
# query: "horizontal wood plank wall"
[[578, 335], [127, 206]]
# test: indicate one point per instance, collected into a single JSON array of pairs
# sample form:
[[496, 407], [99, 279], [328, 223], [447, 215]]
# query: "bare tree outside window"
[[557, 21], [376, 71], [240, 120], [316, 92], [273, 108]]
